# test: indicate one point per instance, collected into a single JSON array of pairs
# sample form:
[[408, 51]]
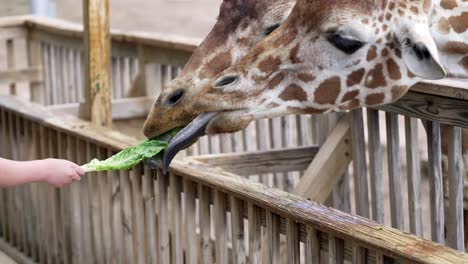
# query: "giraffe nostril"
[[225, 81], [174, 98]]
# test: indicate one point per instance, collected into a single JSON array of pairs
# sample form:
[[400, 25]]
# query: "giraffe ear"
[[420, 53]]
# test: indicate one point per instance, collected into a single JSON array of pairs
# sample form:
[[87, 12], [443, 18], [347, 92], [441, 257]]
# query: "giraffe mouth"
[[187, 137]]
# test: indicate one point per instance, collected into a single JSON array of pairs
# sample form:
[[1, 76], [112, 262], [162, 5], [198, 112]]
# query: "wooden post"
[[97, 107]]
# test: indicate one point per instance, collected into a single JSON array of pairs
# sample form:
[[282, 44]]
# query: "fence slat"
[[163, 224], [127, 219], [414, 176], [205, 225], [137, 214], [292, 242], [238, 236], [455, 223], [312, 246], [254, 216], [273, 236], [149, 216], [359, 163], [375, 165], [435, 181], [175, 209], [219, 210], [191, 237], [394, 170]]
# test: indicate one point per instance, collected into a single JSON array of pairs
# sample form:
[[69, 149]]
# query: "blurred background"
[[190, 18]]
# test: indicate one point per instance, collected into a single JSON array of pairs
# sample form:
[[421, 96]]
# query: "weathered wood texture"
[[296, 218], [97, 53]]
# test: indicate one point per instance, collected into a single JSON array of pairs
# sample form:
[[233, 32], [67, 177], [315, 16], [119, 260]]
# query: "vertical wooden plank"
[[335, 250], [312, 246], [176, 208], [219, 210], [414, 176], [394, 170], [359, 255], [53, 212], [46, 232], [435, 181], [150, 216], [127, 219], [292, 242], [118, 254], [137, 215], [35, 58], [205, 225], [238, 236], [97, 63], [254, 217], [94, 206], [29, 155], [65, 212], [20, 50], [163, 225], [105, 191], [375, 165], [359, 163], [77, 250], [191, 237], [85, 221], [455, 238]]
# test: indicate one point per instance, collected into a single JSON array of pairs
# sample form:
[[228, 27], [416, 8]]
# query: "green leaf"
[[128, 158]]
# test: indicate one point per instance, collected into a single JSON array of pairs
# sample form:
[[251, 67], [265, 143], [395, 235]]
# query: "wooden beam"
[[281, 160], [445, 110], [21, 75], [122, 109], [328, 166], [97, 107], [353, 229]]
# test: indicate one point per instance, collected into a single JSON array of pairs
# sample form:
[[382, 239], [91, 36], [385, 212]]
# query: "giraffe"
[[240, 25], [335, 56]]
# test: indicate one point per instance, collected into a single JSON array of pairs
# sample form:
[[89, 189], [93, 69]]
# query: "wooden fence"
[[137, 217]]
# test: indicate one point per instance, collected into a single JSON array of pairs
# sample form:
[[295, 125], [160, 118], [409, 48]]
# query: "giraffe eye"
[[271, 28], [345, 44]]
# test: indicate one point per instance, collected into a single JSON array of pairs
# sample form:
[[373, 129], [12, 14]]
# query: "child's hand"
[[59, 172]]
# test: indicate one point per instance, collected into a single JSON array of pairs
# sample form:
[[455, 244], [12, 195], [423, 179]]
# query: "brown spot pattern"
[[372, 53], [355, 77], [275, 81], [217, 64], [269, 65], [448, 4], [459, 23], [384, 52], [328, 91], [456, 47], [444, 26], [388, 16], [398, 91], [293, 92], [375, 99], [464, 63], [415, 10], [304, 111], [350, 96], [427, 6], [375, 77], [305, 77], [393, 69], [294, 54]]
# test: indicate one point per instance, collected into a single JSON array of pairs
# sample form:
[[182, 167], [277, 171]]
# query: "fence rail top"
[[351, 228], [70, 29]]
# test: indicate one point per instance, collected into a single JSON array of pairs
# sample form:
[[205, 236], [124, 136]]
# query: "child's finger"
[[79, 170], [76, 176]]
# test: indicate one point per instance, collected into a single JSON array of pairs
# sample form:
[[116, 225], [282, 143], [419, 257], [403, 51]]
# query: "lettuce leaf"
[[130, 157]]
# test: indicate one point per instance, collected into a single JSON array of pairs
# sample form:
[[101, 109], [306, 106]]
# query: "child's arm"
[[53, 171]]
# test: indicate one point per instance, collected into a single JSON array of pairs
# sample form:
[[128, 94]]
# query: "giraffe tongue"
[[186, 137]]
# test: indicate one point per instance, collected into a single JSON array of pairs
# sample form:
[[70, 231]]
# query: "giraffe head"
[[240, 25], [330, 55]]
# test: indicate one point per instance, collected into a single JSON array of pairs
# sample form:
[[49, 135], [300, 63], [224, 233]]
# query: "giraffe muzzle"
[[186, 137]]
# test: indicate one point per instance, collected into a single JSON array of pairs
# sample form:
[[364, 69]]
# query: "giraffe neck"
[[449, 28]]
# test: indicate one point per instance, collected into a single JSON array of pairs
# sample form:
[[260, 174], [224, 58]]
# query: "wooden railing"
[[142, 217], [394, 188]]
